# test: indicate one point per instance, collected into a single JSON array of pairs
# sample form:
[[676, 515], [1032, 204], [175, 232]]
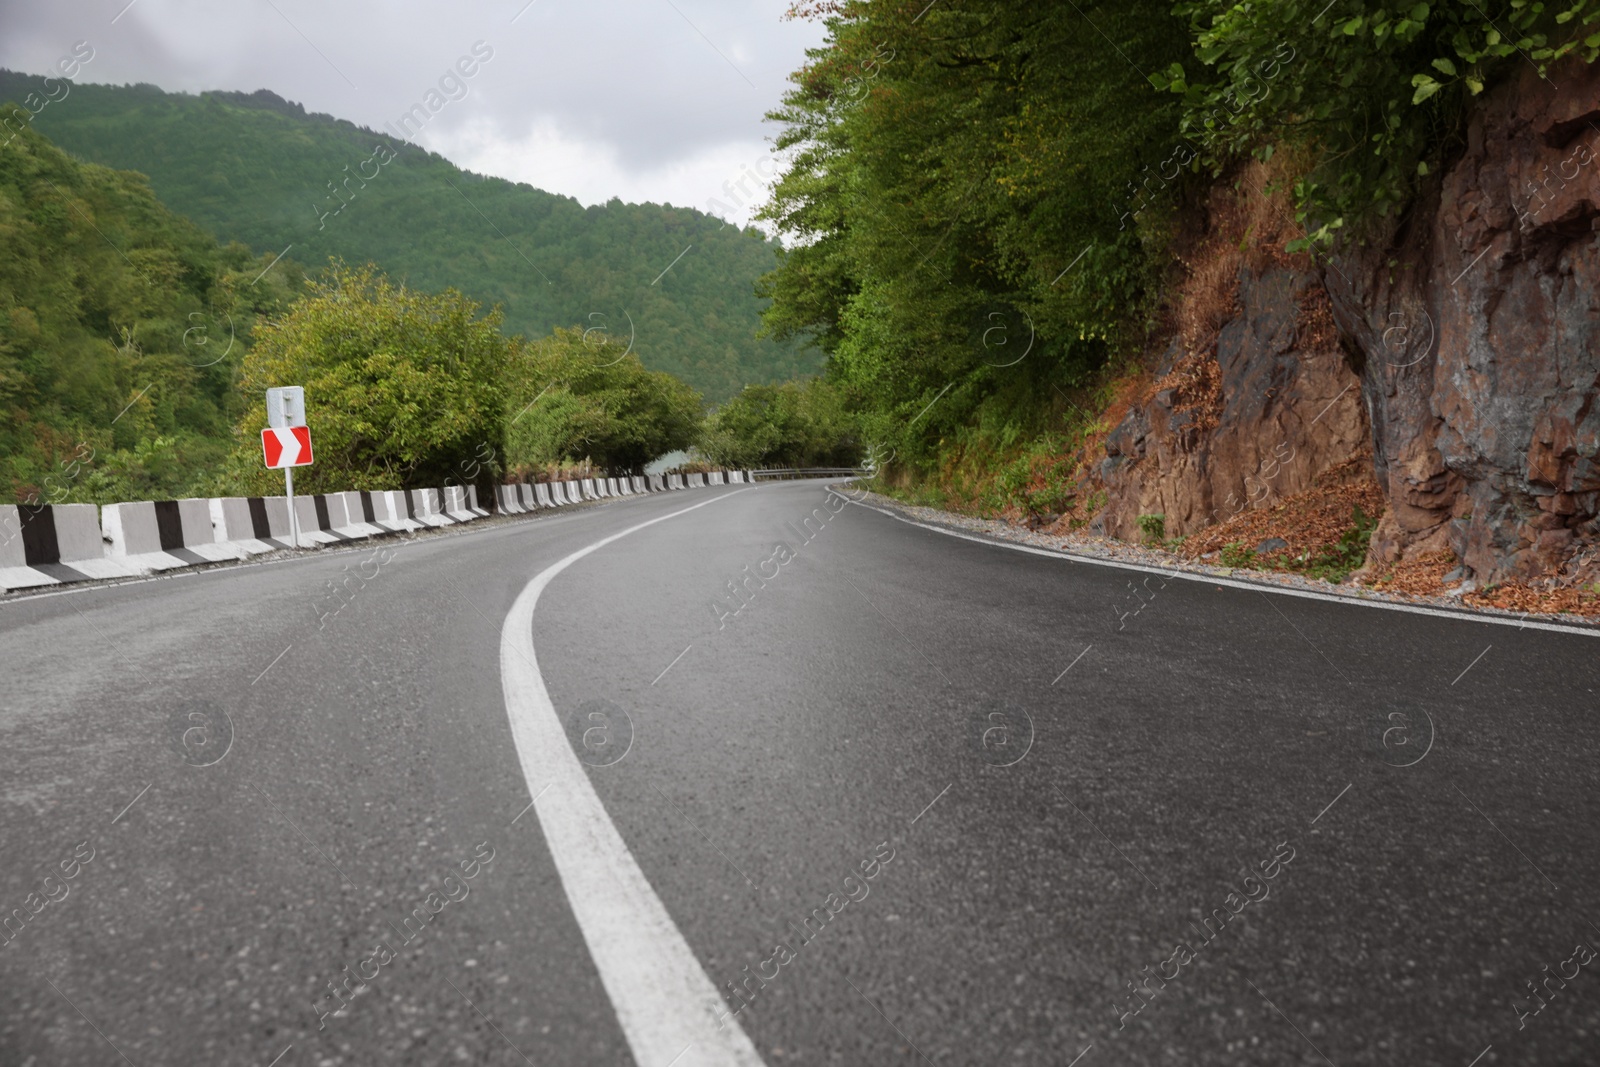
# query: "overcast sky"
[[658, 100]]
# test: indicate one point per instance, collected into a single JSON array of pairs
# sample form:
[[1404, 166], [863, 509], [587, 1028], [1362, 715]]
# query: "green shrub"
[[1154, 528]]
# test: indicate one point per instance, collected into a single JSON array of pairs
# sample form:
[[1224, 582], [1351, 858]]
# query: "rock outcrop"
[[1458, 348], [1254, 399], [1477, 319]]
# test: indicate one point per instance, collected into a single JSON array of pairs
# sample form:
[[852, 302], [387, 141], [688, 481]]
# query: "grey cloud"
[[632, 77]]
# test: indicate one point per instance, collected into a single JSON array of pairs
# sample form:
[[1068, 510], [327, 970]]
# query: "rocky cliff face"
[[1478, 322], [1254, 399], [1459, 349]]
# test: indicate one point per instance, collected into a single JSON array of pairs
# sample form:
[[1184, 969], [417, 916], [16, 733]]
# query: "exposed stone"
[[1252, 405], [1271, 544], [1481, 365]]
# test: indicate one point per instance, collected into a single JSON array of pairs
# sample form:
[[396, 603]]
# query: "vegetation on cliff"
[[982, 198]]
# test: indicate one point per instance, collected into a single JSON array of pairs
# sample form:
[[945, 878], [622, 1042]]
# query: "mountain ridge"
[[260, 169]]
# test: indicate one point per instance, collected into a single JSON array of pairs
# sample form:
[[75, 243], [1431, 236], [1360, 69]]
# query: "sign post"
[[287, 443]]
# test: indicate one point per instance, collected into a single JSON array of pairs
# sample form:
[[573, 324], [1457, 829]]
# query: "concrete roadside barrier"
[[715, 478], [399, 511], [377, 509], [47, 544], [656, 482], [586, 487], [357, 522], [509, 499], [256, 524], [454, 498], [426, 507], [318, 516], [163, 535], [541, 494], [472, 503], [697, 480]]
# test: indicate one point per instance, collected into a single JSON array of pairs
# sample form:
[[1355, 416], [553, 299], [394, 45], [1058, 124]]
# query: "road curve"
[[902, 798]]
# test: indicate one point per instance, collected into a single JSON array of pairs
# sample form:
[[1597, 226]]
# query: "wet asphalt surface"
[[1240, 829]]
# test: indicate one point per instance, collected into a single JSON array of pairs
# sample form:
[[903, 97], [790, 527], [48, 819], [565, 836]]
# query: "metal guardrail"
[[782, 473]]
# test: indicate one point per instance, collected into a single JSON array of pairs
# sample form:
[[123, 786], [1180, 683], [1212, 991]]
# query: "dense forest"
[[121, 330], [259, 170], [135, 351], [981, 214]]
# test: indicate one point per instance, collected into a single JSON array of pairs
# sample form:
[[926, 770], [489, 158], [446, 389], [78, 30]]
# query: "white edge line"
[[662, 996], [1233, 583]]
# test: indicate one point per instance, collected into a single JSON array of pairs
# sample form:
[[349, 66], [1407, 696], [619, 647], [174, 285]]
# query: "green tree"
[[403, 388], [573, 396], [965, 233], [122, 328], [796, 424]]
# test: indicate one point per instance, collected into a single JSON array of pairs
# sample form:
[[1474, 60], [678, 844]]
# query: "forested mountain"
[[121, 330], [258, 169]]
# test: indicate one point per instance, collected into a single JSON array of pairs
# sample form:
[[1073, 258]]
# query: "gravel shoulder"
[[1087, 546]]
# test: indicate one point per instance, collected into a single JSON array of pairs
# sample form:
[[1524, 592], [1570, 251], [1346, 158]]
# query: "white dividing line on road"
[[1233, 583], [666, 1004]]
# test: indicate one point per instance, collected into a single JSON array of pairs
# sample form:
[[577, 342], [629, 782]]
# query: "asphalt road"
[[1388, 818]]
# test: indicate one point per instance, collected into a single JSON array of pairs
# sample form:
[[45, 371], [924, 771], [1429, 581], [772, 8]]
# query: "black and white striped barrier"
[[47, 544], [255, 524], [426, 507], [508, 500], [372, 509], [319, 517], [163, 535], [455, 503], [356, 523], [44, 545]]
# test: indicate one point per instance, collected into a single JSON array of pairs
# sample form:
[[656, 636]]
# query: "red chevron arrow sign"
[[288, 446]]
